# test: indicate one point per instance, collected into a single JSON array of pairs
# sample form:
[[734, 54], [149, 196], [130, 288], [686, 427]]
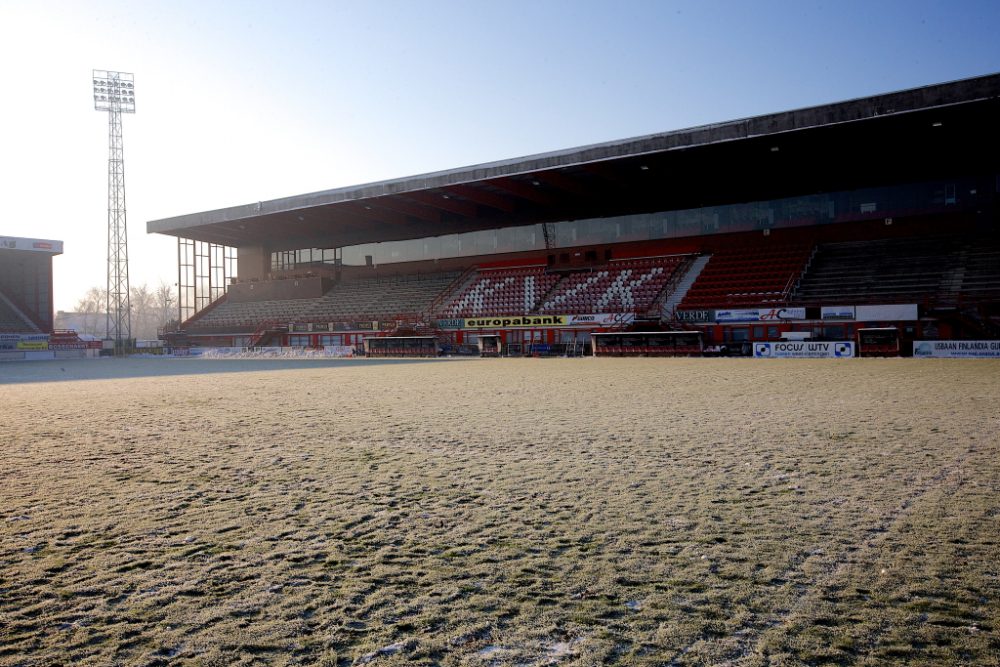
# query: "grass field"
[[500, 512]]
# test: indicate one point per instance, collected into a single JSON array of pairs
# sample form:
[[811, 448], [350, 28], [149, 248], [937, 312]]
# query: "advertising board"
[[894, 312], [24, 342], [515, 322], [804, 350], [957, 349], [526, 321], [695, 315], [600, 319], [31, 245], [837, 313], [760, 314]]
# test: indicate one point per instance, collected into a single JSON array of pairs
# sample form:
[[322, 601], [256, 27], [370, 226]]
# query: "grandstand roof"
[[31, 245], [923, 133]]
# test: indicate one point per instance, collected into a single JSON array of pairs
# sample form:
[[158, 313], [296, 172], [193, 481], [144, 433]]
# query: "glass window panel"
[[788, 212]]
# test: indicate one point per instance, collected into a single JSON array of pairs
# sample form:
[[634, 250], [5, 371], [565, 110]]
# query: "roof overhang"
[[46, 246], [926, 133]]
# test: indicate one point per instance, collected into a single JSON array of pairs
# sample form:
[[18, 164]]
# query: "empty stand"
[[245, 317], [12, 320], [502, 292], [379, 299], [627, 286], [926, 269], [748, 275], [360, 300], [879, 271], [979, 269]]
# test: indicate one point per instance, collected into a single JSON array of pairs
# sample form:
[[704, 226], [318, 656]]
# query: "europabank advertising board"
[[760, 314], [515, 322], [957, 349], [804, 350], [531, 321]]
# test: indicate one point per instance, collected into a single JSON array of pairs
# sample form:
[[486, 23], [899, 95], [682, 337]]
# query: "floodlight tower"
[[114, 92]]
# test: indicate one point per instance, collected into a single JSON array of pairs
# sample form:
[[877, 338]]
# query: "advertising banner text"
[[803, 350], [957, 349]]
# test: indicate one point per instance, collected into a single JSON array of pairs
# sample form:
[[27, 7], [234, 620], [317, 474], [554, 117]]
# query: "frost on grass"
[[571, 512]]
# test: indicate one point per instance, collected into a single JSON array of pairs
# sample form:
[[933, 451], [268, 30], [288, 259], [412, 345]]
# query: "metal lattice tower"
[[547, 235], [114, 92]]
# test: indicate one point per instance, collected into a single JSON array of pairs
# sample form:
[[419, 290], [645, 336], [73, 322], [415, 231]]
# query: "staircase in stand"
[[19, 318], [545, 295], [456, 287], [264, 333], [683, 285]]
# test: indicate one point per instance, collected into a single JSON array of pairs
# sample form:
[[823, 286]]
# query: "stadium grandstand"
[[26, 295], [878, 213], [26, 284]]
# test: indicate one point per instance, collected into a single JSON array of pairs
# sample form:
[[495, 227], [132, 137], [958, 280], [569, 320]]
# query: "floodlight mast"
[[114, 92]]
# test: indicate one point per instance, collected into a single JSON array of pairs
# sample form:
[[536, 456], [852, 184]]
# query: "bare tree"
[[152, 310], [144, 312], [166, 305], [93, 309]]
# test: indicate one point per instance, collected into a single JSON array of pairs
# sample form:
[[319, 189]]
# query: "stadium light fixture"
[[114, 91]]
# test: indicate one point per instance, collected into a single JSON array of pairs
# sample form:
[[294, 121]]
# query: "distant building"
[[88, 323]]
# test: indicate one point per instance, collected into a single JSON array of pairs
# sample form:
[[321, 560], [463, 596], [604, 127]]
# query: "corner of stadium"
[[870, 222], [26, 318]]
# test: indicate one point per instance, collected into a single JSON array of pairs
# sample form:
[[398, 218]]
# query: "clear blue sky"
[[244, 101]]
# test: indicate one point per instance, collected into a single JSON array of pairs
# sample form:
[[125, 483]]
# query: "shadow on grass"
[[15, 372]]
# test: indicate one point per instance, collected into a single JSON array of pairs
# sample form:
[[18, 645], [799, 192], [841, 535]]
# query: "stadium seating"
[[952, 270], [512, 291], [748, 276], [360, 300], [247, 316], [927, 269], [379, 299], [11, 320], [979, 266], [628, 286]]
